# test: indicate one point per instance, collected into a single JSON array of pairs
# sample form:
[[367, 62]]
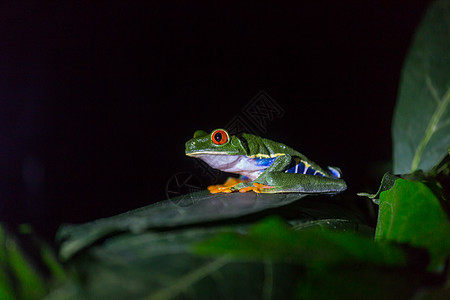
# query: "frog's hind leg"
[[303, 183]]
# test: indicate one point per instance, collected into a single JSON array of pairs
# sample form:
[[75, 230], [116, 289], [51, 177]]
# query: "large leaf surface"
[[203, 208], [421, 126]]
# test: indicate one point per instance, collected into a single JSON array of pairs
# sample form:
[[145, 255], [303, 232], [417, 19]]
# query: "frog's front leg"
[[260, 184], [228, 186]]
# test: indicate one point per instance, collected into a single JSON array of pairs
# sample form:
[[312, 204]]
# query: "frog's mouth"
[[197, 154]]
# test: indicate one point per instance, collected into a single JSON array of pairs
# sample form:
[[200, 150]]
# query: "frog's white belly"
[[239, 164]]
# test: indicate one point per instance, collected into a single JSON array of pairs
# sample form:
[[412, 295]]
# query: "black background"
[[98, 99]]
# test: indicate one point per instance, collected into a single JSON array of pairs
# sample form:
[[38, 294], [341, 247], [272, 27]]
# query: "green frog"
[[264, 166]]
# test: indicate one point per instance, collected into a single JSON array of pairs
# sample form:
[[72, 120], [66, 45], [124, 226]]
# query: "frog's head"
[[218, 142]]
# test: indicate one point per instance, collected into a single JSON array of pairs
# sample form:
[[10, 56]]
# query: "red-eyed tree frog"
[[265, 166]]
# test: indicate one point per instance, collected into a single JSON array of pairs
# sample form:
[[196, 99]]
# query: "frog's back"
[[267, 150]]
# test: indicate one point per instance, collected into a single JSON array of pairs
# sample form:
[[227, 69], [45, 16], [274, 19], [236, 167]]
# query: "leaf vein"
[[431, 129], [432, 89], [189, 279], [268, 280]]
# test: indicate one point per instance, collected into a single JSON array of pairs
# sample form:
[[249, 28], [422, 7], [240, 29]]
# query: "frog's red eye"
[[219, 137]]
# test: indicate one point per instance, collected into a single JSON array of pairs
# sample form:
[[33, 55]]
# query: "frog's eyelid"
[[244, 143], [200, 133]]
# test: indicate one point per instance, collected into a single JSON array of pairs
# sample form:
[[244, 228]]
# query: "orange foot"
[[231, 182]]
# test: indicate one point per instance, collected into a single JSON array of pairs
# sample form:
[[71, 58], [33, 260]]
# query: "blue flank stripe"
[[293, 168], [298, 168], [310, 171], [265, 162], [301, 168]]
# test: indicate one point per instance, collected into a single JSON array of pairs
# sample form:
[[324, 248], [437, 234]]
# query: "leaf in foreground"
[[421, 125], [315, 247], [411, 213], [268, 260], [18, 278], [161, 265]]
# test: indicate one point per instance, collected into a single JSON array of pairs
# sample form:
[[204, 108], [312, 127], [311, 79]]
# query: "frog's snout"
[[191, 146], [197, 144]]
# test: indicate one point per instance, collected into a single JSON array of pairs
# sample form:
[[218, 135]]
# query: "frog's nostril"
[[190, 144]]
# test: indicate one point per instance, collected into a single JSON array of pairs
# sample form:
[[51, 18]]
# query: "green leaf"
[[189, 209], [421, 125], [411, 213], [315, 248]]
